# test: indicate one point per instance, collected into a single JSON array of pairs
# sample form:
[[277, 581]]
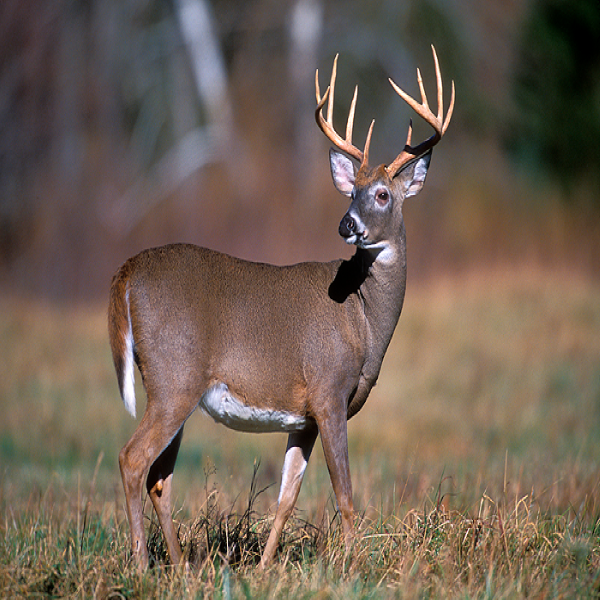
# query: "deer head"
[[378, 193]]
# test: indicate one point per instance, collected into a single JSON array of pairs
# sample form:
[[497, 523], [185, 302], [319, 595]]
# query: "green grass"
[[475, 463]]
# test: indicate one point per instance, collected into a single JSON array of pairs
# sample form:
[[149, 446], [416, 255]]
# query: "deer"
[[265, 348]]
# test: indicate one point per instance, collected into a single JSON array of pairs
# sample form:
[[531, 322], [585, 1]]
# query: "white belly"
[[223, 407]]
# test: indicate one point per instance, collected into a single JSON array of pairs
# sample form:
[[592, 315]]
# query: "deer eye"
[[382, 197]]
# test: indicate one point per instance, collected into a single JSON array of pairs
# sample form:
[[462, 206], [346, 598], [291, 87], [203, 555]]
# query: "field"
[[475, 462]]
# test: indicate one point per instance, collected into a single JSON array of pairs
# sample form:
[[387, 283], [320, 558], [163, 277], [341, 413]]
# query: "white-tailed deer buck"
[[265, 348]]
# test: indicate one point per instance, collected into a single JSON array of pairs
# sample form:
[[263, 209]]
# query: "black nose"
[[347, 226]]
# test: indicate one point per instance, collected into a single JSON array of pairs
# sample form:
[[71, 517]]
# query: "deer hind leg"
[[158, 484], [299, 447], [153, 436]]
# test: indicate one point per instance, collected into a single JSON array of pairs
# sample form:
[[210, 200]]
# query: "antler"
[[438, 122], [326, 125]]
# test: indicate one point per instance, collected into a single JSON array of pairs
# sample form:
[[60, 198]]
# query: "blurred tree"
[[556, 131], [26, 132], [177, 134]]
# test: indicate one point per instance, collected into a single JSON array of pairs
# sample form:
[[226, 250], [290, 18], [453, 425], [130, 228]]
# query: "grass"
[[475, 462]]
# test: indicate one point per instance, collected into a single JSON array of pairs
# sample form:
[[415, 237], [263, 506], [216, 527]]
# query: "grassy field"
[[475, 463]]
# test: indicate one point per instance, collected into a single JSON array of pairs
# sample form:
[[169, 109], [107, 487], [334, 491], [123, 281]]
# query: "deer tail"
[[120, 334]]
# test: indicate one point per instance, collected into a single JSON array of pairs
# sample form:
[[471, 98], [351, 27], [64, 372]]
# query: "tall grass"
[[475, 462]]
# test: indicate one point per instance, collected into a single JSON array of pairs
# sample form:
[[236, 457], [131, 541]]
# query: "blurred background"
[[131, 123]]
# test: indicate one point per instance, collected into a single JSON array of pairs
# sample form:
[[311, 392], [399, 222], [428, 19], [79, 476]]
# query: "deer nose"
[[347, 226]]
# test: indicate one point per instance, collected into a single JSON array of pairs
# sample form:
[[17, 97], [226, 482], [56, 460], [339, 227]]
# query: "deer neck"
[[377, 281], [372, 286], [382, 294]]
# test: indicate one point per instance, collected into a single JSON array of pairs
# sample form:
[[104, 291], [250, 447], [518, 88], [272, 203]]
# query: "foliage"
[[107, 141], [557, 90]]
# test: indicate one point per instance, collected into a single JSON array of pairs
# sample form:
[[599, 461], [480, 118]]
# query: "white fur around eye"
[[382, 197]]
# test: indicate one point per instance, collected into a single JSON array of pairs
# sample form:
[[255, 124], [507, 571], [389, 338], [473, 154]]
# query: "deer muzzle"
[[347, 226]]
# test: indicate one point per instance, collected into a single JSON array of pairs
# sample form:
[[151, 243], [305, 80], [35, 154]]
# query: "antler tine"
[[326, 124], [350, 122], [409, 134], [424, 102], [438, 122], [317, 88], [332, 88], [438, 81], [365, 160], [450, 111]]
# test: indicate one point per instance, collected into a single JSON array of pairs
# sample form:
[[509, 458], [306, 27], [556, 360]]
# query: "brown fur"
[[118, 321]]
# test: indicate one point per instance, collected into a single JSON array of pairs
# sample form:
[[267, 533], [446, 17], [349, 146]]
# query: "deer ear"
[[342, 171], [412, 177]]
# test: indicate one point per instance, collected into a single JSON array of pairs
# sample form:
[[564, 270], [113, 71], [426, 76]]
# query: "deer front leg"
[[298, 451], [334, 438]]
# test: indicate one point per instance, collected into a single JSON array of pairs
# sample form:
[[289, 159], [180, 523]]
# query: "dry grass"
[[502, 550], [475, 462]]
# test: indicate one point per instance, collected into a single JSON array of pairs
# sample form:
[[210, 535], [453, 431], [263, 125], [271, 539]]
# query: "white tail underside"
[[128, 390]]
